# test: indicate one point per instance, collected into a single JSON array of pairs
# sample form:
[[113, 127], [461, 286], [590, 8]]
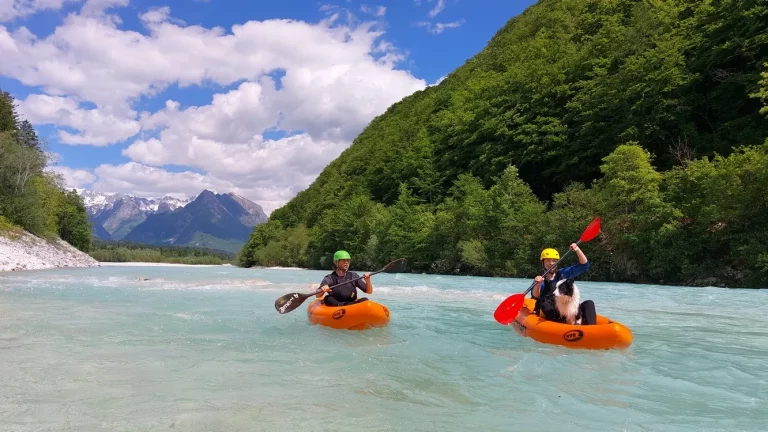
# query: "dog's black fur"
[[561, 302]]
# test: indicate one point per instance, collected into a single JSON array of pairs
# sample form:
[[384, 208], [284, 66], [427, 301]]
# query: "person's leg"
[[588, 313], [330, 301]]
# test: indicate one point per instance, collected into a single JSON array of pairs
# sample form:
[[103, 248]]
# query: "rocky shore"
[[20, 250]]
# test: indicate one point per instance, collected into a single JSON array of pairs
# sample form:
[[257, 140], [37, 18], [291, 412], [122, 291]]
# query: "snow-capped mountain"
[[211, 220], [96, 202], [219, 221], [113, 215]]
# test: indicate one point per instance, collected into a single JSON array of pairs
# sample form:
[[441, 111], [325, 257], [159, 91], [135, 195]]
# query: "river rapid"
[[203, 349]]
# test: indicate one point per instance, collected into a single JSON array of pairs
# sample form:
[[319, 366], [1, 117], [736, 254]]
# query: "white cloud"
[[437, 9], [156, 15], [438, 28], [12, 9], [73, 178], [375, 11], [99, 128], [146, 181], [336, 78], [439, 80], [97, 8], [79, 57], [150, 182]]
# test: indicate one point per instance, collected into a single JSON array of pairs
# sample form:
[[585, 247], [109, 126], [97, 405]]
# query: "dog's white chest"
[[568, 306]]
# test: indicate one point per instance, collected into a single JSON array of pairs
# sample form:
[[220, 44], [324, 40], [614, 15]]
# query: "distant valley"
[[209, 220]]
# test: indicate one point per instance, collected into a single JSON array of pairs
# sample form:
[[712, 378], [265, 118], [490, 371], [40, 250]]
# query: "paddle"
[[291, 301], [507, 311]]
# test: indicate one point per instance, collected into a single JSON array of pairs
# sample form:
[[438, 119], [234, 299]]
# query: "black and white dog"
[[562, 305], [568, 300]]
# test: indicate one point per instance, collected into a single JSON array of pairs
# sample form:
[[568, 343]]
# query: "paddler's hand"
[[367, 277], [539, 279], [574, 247], [325, 288]]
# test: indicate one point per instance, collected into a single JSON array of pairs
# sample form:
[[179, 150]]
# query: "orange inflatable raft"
[[357, 316], [606, 334]]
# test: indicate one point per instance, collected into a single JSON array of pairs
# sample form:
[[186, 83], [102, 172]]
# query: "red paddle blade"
[[591, 231], [509, 308]]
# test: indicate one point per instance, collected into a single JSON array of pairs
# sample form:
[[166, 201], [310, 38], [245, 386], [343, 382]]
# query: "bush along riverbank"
[[42, 225], [119, 251]]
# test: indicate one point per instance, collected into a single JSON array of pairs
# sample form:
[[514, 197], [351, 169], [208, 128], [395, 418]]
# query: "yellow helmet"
[[549, 253]]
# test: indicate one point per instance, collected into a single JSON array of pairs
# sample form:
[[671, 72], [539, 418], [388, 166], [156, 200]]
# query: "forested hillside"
[[645, 113], [29, 196]]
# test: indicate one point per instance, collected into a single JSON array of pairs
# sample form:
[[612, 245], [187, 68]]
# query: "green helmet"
[[340, 255]]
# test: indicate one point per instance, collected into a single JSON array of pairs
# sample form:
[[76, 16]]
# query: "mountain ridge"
[[210, 219]]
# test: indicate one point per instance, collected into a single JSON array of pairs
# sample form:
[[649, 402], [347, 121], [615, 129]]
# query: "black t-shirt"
[[346, 292]]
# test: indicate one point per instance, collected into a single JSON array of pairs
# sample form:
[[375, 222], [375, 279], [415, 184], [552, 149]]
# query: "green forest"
[[648, 114], [30, 197], [122, 251]]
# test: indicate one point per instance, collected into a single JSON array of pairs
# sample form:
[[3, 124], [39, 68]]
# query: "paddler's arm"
[[536, 289], [576, 269], [582, 258], [367, 286], [324, 285]]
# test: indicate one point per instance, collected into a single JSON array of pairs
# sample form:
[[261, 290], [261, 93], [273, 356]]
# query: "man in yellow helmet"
[[544, 290]]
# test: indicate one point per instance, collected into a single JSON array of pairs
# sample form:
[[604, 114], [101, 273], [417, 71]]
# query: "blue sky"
[[148, 97]]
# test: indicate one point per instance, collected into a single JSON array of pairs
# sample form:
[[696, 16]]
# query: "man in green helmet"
[[346, 293]]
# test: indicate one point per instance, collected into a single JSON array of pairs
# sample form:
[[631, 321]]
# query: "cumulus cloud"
[[313, 85], [97, 8], [12, 9], [73, 178], [93, 59], [98, 126], [439, 80], [149, 182]]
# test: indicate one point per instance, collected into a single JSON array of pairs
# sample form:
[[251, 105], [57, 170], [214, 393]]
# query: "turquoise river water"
[[203, 349]]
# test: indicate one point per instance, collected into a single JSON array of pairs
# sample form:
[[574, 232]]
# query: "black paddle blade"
[[395, 266], [291, 301]]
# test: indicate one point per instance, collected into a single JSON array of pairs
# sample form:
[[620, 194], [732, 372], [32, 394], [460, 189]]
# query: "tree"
[[73, 224], [8, 117], [27, 137], [762, 93]]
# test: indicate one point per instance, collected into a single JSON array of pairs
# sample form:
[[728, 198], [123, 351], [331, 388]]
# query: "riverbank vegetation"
[[648, 114], [31, 197], [120, 251]]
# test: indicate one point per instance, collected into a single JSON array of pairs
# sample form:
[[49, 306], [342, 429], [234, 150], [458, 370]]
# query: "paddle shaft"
[[346, 282], [291, 301], [550, 268]]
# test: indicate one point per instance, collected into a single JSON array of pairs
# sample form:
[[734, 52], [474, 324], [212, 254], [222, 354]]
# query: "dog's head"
[[565, 288]]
